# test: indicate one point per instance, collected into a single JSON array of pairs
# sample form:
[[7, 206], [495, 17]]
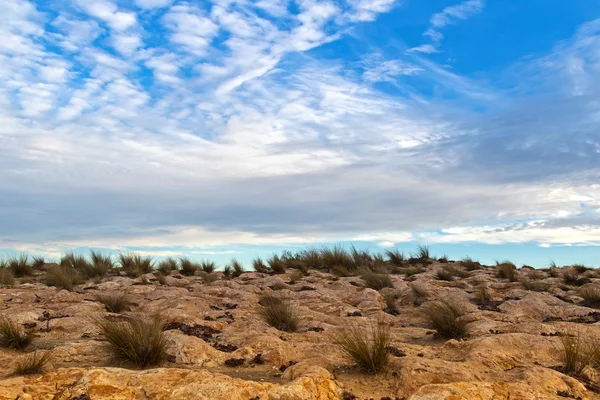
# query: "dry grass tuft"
[[208, 266], [337, 258], [423, 252], [591, 295], [535, 286], [19, 266], [483, 294], [12, 335], [135, 265], [167, 265], [115, 302], [507, 270], [187, 267], [368, 348], [296, 276], [395, 257], [139, 340], [101, 264], [376, 281], [62, 276], [445, 317], [6, 277], [279, 314], [470, 264], [276, 264], [236, 267], [259, 266], [33, 363], [577, 351]]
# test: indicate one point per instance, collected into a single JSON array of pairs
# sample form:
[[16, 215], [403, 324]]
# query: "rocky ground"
[[220, 348]]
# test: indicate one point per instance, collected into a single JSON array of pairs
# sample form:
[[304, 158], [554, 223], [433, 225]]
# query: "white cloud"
[[126, 43], [191, 28], [153, 3], [367, 10], [389, 71], [424, 48], [108, 12], [461, 11]]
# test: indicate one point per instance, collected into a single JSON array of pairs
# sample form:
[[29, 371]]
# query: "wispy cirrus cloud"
[[230, 122]]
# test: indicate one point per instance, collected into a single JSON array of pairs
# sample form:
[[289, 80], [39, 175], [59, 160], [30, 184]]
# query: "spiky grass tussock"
[[367, 348], [12, 335], [577, 351], [135, 265], [423, 252], [33, 363], [187, 267], [237, 268], [167, 265], [115, 302], [276, 264], [376, 281], [37, 262], [259, 265], [19, 266], [483, 294], [395, 257], [337, 257], [362, 258], [590, 295], [445, 317], [101, 264], [140, 340], [278, 313], [63, 276], [470, 264], [507, 270], [208, 266]]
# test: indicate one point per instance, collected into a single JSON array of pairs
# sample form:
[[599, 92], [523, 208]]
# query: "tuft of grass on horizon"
[[167, 265], [367, 348], [33, 363], [63, 276], [101, 264], [395, 257], [19, 266], [259, 265], [208, 266], [139, 340], [12, 335], [187, 267], [237, 268], [276, 264], [278, 313], [507, 270]]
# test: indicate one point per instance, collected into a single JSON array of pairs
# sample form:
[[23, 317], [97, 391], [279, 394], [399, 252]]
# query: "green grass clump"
[[362, 258], [367, 348], [12, 335], [376, 281], [6, 277], [63, 276], [19, 266], [135, 265], [507, 270], [445, 317], [276, 264], [33, 363], [115, 302], [139, 340], [279, 314], [259, 265], [312, 258]]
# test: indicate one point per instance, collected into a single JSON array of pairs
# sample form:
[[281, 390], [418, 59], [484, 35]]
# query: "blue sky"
[[235, 128]]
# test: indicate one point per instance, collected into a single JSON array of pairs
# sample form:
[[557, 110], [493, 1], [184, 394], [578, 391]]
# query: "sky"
[[232, 128]]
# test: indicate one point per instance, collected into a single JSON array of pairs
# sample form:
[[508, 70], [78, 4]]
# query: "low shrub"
[[470, 264], [12, 335], [139, 340], [33, 363], [236, 267], [445, 317], [367, 348], [279, 314]]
